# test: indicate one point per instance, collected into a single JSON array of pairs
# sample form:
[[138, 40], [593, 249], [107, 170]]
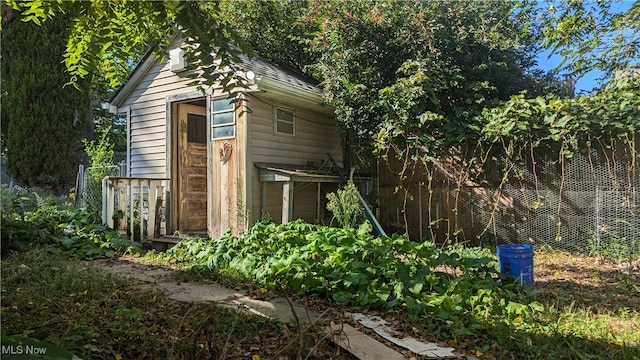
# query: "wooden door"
[[192, 168]]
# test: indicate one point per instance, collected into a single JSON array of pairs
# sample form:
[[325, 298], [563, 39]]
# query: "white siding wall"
[[316, 135], [148, 119]]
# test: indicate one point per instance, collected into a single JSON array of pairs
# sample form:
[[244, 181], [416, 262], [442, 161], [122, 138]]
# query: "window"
[[196, 128], [223, 119], [284, 121]]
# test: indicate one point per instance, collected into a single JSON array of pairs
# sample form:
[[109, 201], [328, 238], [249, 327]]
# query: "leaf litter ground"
[[98, 315], [106, 317]]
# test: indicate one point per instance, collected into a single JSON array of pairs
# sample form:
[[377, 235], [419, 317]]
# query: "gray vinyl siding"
[[315, 136], [148, 119]]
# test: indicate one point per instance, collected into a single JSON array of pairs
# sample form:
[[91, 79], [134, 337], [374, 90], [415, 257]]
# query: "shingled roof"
[[260, 67], [264, 68]]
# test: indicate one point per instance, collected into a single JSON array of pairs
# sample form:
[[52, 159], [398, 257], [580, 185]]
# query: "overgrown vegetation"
[[100, 152], [524, 155], [345, 206], [74, 306], [455, 295], [42, 120], [31, 219], [352, 267]]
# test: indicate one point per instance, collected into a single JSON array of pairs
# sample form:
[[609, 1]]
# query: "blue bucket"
[[517, 261]]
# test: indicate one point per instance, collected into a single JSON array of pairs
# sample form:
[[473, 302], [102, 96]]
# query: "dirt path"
[[154, 276], [359, 344]]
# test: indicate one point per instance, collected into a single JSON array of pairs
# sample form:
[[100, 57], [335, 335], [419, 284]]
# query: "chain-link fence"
[[89, 183], [588, 203]]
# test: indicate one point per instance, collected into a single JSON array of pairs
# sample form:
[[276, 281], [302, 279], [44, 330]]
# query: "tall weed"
[[30, 219]]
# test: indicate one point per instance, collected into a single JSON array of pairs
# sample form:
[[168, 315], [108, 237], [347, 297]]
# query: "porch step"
[[165, 242]]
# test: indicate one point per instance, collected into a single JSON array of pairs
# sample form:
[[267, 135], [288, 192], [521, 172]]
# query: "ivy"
[[614, 112]]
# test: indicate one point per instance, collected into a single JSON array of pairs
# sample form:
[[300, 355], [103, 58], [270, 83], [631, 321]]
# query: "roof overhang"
[[263, 86], [277, 90], [283, 175], [136, 76]]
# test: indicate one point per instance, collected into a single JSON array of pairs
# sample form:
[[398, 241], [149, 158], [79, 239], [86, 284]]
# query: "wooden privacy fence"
[[135, 206], [590, 201]]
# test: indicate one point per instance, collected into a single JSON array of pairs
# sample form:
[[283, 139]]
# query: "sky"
[[585, 84], [590, 80]]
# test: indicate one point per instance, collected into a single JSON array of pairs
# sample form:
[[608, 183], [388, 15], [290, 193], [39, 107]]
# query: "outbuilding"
[[200, 162]]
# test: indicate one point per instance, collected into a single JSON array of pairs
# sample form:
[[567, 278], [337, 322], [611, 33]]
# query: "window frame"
[[225, 111], [276, 120]]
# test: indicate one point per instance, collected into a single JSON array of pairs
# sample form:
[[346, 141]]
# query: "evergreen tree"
[[42, 119]]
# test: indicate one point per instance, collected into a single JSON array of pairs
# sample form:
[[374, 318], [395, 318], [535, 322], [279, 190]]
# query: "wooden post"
[[122, 188], [153, 210], [287, 201], [153, 200], [141, 208], [107, 202], [263, 206], [131, 217], [224, 195], [318, 202]]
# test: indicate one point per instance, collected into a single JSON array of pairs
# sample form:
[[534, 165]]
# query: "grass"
[[591, 311], [95, 315], [591, 298]]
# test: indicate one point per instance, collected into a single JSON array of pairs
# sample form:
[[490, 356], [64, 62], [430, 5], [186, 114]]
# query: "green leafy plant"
[[350, 266], [29, 219], [100, 152], [345, 206], [614, 246]]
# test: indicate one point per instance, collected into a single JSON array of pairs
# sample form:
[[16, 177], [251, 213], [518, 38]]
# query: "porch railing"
[[135, 206]]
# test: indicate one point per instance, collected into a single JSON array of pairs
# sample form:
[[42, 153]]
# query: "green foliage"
[[113, 127], [611, 113], [77, 306], [592, 35], [58, 228], [107, 36], [270, 28], [345, 206], [610, 244], [42, 120], [401, 64], [521, 122], [24, 346], [100, 152], [352, 267]]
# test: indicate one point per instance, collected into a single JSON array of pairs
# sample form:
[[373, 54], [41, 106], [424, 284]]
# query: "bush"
[[100, 153], [29, 219]]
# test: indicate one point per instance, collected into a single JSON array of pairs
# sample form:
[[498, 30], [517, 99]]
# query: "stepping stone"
[[360, 344]]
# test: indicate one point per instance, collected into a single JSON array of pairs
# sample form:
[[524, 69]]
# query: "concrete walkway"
[[361, 345]]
